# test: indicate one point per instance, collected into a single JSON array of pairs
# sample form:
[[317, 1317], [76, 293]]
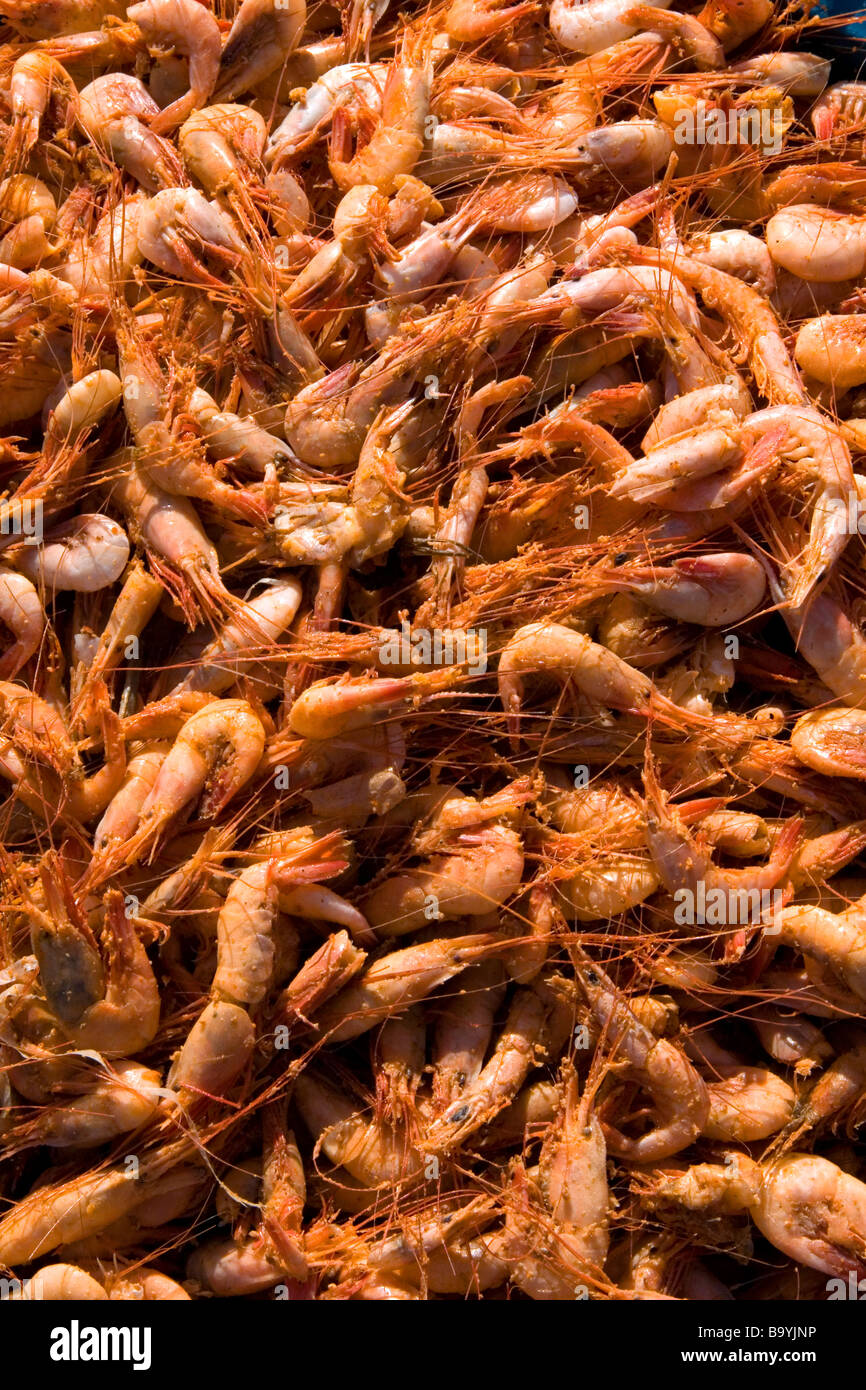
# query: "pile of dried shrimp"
[[432, 700]]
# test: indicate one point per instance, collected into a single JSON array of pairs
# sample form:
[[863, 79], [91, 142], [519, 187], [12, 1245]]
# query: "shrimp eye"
[[622, 559], [592, 977], [460, 1115]]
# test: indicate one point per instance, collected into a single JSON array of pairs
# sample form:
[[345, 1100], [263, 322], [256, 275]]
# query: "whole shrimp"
[[112, 1008], [681, 1102], [113, 111], [475, 872], [683, 867], [397, 981], [216, 662], [188, 28], [85, 555], [35, 76], [804, 1205], [517, 1049], [591, 26], [216, 752], [834, 939], [121, 1102], [24, 616], [399, 137], [178, 547], [60, 1213]]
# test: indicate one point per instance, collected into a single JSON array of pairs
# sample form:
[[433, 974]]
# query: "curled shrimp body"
[[480, 868], [222, 148], [830, 642], [832, 741], [29, 209], [464, 1028], [834, 939], [681, 1102], [832, 350], [84, 555], [374, 1153], [234, 650], [377, 511], [175, 221], [216, 141], [740, 254], [216, 752], [839, 107], [189, 28], [36, 727], [34, 76], [399, 138], [245, 950], [683, 865], [81, 406], [838, 1088], [176, 541], [477, 874], [121, 1102], [214, 755], [612, 287], [499, 1081], [467, 23], [144, 1284], [107, 257], [799, 74], [751, 318], [23, 615], [688, 34], [236, 437], [816, 243], [663, 474], [713, 590], [747, 1104], [344, 85], [555, 1239], [62, 1283], [703, 407], [122, 813], [397, 981], [113, 111], [561, 652], [180, 470], [813, 445], [814, 1212], [63, 1212], [590, 26]]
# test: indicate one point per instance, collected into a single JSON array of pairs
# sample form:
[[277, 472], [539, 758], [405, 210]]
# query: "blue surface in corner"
[[845, 46], [855, 29]]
